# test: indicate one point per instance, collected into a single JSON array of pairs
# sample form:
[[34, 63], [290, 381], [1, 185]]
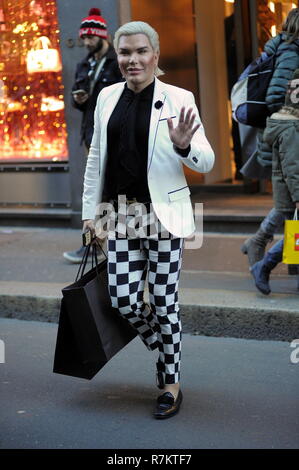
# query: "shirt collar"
[[146, 93]]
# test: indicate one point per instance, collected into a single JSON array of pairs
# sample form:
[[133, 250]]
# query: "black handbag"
[[90, 330]]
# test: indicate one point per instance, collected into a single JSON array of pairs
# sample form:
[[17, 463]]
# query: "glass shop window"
[[32, 122], [175, 23], [271, 15]]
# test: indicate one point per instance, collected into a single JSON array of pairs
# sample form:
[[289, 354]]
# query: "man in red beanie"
[[96, 71]]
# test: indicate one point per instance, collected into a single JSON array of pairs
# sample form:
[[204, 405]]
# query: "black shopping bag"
[[90, 331]]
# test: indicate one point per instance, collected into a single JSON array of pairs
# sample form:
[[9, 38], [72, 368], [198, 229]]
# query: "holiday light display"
[[32, 122]]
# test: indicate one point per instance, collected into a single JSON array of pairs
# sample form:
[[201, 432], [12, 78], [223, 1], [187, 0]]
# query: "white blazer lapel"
[[106, 112], [156, 114], [111, 102]]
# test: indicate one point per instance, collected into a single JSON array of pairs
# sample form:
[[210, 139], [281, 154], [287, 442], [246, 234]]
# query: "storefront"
[[41, 159], [204, 47], [33, 132]]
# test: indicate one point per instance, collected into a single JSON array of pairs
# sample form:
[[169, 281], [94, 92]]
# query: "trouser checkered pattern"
[[129, 263]]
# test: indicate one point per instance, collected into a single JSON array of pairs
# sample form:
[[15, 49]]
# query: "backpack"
[[248, 94]]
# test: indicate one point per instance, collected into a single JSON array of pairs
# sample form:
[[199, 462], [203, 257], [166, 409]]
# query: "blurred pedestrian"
[[148, 129], [96, 71], [286, 47], [282, 137], [232, 77], [265, 20]]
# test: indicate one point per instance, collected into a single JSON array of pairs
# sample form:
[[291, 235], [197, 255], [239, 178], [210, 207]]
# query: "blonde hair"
[[291, 25], [139, 27]]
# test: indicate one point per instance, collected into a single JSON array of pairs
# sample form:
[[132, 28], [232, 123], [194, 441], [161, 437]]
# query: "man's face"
[[92, 42], [137, 60]]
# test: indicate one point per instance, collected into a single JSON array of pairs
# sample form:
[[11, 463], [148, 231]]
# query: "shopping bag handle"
[[83, 263], [96, 242], [94, 257]]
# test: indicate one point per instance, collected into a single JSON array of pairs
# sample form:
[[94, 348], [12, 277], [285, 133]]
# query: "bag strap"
[[83, 263], [94, 257], [295, 214], [97, 243], [42, 43]]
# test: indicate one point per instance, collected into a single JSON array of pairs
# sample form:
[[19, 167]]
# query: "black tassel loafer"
[[167, 406]]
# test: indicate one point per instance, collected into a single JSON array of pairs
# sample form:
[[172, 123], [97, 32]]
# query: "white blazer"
[[167, 184]]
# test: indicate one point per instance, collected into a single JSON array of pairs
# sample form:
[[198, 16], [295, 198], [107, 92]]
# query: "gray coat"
[[282, 137], [286, 63]]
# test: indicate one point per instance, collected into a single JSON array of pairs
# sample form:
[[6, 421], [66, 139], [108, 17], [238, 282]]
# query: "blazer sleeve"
[[201, 156], [92, 170]]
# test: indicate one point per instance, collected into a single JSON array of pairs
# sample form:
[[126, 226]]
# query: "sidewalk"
[[217, 294]]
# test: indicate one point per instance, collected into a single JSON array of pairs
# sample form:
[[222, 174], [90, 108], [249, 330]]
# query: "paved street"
[[239, 394]]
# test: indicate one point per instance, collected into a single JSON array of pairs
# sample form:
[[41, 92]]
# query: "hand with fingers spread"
[[182, 134]]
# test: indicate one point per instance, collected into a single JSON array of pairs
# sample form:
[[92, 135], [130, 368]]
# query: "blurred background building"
[[204, 47]]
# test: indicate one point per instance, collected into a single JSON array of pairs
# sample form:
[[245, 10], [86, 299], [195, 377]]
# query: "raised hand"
[[182, 134]]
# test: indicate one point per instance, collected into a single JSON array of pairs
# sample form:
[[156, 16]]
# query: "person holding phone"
[[145, 130], [97, 70]]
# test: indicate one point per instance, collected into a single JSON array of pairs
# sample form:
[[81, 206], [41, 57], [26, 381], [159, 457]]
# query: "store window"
[[32, 122], [175, 23]]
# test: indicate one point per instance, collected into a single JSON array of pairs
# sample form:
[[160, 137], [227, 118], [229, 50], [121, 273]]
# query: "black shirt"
[[127, 142]]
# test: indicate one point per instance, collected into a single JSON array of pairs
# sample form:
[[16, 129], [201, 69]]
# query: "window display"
[[32, 122]]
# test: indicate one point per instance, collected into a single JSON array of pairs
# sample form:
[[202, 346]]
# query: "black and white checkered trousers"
[[130, 262]]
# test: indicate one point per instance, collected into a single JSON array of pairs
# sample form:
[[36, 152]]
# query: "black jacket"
[[109, 74]]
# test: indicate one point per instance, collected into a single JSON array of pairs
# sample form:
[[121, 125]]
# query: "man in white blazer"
[[175, 137]]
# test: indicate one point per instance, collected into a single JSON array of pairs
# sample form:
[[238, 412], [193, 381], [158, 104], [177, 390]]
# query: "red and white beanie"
[[94, 24]]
